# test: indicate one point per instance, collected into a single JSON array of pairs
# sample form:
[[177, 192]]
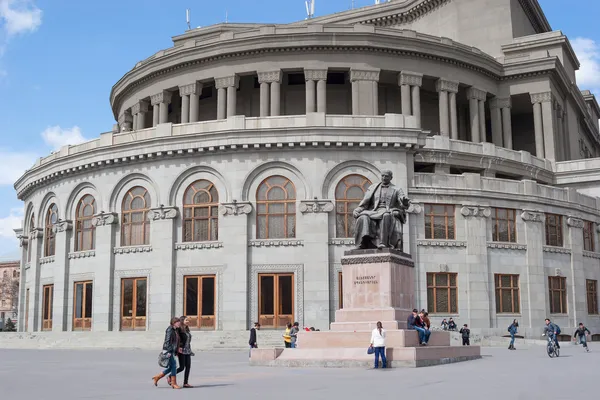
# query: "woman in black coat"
[[170, 347], [185, 349]]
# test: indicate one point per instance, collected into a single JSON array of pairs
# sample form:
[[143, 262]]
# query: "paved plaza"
[[521, 374]]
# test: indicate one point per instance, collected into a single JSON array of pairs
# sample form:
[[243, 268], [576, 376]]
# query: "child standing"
[[465, 332]]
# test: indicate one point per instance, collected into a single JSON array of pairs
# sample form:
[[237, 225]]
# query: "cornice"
[[536, 17]]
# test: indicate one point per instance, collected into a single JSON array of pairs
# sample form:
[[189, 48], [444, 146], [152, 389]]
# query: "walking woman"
[[512, 329], [185, 350], [378, 343], [170, 346]]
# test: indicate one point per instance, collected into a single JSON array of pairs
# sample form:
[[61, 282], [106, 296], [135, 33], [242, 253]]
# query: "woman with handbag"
[[378, 345], [185, 350], [169, 351]]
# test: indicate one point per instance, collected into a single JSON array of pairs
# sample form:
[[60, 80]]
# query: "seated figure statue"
[[380, 216]]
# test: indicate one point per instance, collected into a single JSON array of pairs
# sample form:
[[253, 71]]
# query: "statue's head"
[[386, 176]]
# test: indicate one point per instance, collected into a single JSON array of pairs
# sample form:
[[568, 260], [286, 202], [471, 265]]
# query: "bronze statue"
[[381, 215]]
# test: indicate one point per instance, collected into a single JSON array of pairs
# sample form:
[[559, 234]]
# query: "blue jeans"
[[554, 339], [423, 334], [380, 351], [172, 368], [583, 340], [512, 339]]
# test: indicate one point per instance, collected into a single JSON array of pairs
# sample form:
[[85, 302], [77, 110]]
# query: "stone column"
[[221, 102], [310, 95], [189, 102], [476, 98], [506, 122], [443, 87], [161, 303], [233, 232], [264, 94], [276, 94], [561, 133], [576, 281], [315, 225], [410, 83], [533, 281], [496, 117], [139, 110], [482, 130], [227, 106], [135, 119], [106, 225], [272, 80], [453, 116], [364, 91], [125, 121], [320, 77], [35, 291], [185, 108], [538, 125], [405, 97], [60, 304], [163, 99], [155, 114]]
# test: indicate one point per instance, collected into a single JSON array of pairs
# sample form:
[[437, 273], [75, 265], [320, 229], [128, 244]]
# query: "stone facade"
[[231, 106], [9, 277]]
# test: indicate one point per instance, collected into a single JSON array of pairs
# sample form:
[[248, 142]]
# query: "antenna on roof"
[[226, 15], [310, 8], [187, 18]]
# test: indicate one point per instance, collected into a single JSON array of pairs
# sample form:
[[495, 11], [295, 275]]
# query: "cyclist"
[[552, 330], [582, 332]]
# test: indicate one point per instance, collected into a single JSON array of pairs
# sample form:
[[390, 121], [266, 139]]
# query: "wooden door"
[[82, 306], [47, 300], [199, 297], [133, 304], [275, 300]]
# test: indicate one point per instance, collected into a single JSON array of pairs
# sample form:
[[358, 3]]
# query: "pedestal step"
[[382, 314], [393, 339]]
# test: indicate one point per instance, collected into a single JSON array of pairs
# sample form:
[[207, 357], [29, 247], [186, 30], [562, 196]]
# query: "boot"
[[174, 383], [157, 378], [169, 380]]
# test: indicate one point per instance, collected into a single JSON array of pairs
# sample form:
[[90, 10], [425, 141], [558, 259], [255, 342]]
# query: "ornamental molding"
[[574, 222], [140, 106], [270, 76], [192, 88], [235, 208], [316, 206], [132, 249], [162, 212], [500, 102], [104, 219], [162, 97], [543, 97], [591, 254], [410, 78], [377, 259], [532, 216], [445, 85], [416, 12], [62, 226], [342, 242], [414, 208], [476, 211], [275, 243], [364, 75], [477, 94], [82, 254], [198, 245], [23, 240], [506, 246], [217, 271], [441, 243], [36, 233], [556, 249], [46, 260], [227, 81], [315, 74]]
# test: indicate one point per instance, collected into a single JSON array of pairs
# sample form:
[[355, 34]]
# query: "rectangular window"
[[557, 286], [439, 221], [503, 225], [588, 236], [47, 300], [507, 294], [592, 296], [442, 293], [82, 306], [199, 301], [554, 228]]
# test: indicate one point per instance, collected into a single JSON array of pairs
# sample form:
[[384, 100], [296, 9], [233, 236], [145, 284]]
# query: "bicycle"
[[552, 350]]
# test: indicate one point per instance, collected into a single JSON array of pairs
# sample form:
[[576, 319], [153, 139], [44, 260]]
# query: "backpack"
[[557, 330], [510, 326]]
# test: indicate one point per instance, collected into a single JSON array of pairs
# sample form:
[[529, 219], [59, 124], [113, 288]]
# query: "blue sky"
[[60, 58]]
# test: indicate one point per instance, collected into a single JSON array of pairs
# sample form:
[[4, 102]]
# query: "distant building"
[[225, 191], [9, 273]]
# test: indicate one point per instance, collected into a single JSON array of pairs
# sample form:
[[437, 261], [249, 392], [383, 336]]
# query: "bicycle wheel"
[[550, 351], [556, 351]]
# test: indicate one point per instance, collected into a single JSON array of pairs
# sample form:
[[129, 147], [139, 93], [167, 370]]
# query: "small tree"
[[9, 326]]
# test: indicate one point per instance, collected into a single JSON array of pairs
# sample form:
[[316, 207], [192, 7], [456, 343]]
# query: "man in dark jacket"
[[552, 330], [582, 332], [252, 342], [466, 333], [414, 322]]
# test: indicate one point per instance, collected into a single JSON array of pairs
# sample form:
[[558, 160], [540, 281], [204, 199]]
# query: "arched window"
[[50, 241], [30, 244], [135, 229], [276, 209], [85, 232], [348, 194], [200, 212]]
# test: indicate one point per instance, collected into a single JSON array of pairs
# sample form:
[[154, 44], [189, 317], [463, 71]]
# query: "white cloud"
[[11, 222], [56, 137], [13, 165], [588, 53], [19, 16]]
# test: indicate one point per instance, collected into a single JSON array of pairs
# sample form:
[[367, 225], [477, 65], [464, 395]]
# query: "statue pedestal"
[[378, 285]]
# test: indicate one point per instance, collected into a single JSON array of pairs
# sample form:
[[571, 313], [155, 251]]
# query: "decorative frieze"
[[364, 75], [410, 78], [543, 97], [62, 226], [275, 243], [377, 259], [192, 88], [315, 74], [235, 208], [162, 212], [132, 249], [198, 245], [162, 97], [591, 254], [477, 94], [441, 243], [476, 211], [103, 219], [506, 246], [575, 222], [414, 208], [532, 216], [270, 76], [555, 249], [445, 85], [227, 81], [316, 206], [500, 102], [46, 260], [82, 254], [342, 242]]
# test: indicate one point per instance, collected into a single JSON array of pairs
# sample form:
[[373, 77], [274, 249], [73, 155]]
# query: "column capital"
[[316, 206], [542, 97], [227, 81], [235, 208], [500, 102], [62, 225], [141, 105], [103, 219], [410, 78], [476, 211], [315, 74], [364, 75], [532, 216], [162, 212], [445, 85], [162, 97], [192, 88], [477, 94], [36, 233], [269, 76], [574, 222]]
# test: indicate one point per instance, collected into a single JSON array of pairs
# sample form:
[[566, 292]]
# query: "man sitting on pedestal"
[[380, 216]]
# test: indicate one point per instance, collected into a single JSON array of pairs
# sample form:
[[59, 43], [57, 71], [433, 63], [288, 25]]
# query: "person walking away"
[[466, 333], [170, 346], [294, 334], [185, 350], [378, 344], [287, 339], [512, 329], [582, 332], [552, 330], [252, 342]]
